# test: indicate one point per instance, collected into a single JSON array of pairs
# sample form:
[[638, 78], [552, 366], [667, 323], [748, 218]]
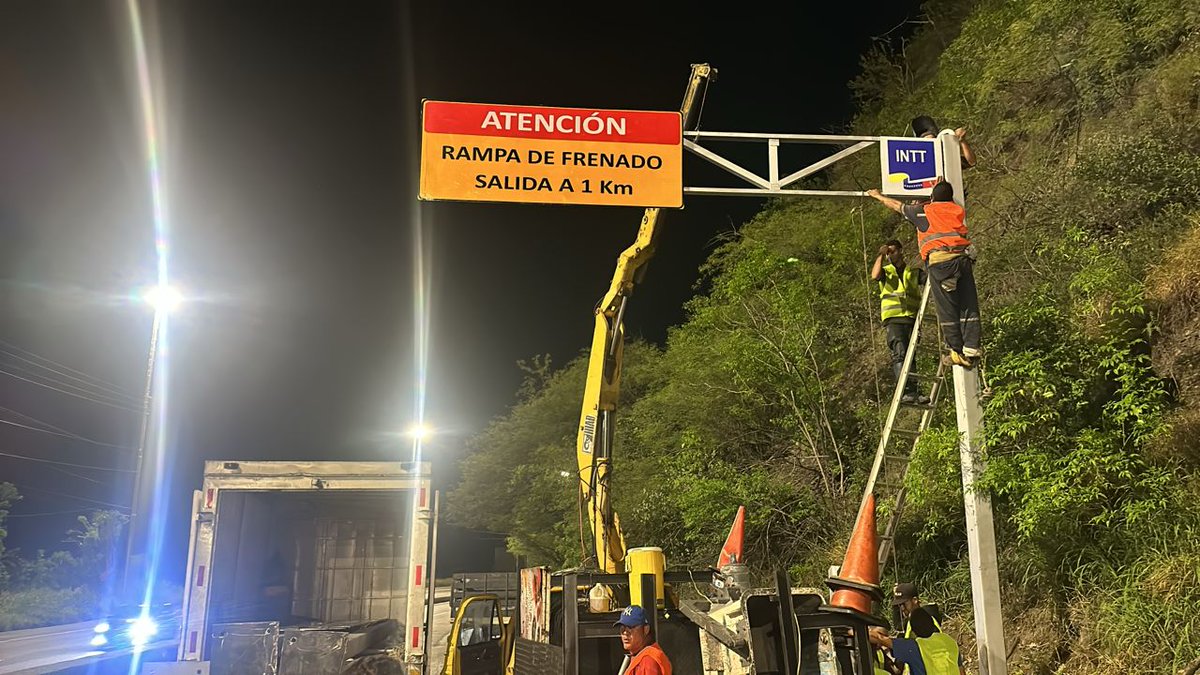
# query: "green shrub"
[[36, 607]]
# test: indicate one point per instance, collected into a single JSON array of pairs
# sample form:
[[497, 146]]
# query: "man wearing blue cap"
[[643, 654]]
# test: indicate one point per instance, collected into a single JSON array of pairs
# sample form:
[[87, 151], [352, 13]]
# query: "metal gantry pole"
[[135, 506], [981, 533], [430, 606]]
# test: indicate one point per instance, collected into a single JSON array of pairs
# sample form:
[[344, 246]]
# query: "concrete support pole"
[[981, 533]]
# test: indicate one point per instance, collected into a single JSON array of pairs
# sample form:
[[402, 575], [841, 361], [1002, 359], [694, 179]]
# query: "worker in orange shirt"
[[950, 265], [643, 655]]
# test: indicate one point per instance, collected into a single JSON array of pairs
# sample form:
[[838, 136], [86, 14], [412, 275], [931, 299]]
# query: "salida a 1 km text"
[[550, 157]]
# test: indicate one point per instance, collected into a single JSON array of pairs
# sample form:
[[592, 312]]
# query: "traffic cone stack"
[[857, 583]]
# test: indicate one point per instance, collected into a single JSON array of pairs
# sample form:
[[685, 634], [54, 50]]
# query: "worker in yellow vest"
[[925, 649], [899, 301]]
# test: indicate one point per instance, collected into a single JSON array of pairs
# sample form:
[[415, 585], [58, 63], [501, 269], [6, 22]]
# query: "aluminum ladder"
[[890, 467]]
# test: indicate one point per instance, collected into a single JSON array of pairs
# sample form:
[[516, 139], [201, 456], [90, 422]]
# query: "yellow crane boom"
[[593, 445]]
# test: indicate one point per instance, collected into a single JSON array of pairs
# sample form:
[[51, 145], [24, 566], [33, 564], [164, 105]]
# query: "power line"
[[69, 393], [77, 466], [99, 381], [87, 383], [55, 468], [64, 433], [75, 497], [72, 436], [73, 474], [42, 377], [45, 513]]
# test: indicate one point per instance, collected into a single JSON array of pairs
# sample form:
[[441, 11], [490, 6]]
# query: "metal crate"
[[245, 648]]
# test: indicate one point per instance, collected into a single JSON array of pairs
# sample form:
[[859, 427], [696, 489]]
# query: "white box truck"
[[308, 543]]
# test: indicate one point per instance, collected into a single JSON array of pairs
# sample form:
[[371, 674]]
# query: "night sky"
[[290, 144]]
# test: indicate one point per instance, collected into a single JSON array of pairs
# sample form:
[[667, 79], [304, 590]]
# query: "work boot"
[[908, 398], [972, 352], [922, 399], [956, 359]]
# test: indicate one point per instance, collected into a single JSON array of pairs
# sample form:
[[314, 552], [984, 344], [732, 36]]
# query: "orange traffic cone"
[[731, 552], [858, 581]]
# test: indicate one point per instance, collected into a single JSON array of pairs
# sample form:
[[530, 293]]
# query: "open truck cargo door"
[[319, 544], [479, 638]]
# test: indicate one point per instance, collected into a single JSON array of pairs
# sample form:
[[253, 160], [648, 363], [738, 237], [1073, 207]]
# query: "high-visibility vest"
[[899, 293], [947, 229], [652, 652], [939, 651]]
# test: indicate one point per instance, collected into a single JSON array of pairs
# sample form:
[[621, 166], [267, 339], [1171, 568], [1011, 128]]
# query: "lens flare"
[[421, 272], [142, 630], [153, 518], [163, 298]]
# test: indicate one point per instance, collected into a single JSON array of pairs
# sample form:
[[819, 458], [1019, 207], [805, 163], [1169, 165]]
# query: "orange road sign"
[[506, 153]]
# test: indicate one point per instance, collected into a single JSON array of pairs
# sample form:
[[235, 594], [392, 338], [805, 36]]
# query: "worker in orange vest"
[[942, 235], [643, 655]]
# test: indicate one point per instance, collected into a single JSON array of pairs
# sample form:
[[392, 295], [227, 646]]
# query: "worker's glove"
[[972, 253]]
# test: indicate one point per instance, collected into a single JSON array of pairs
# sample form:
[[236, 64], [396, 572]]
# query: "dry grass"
[[1174, 289], [1179, 443]]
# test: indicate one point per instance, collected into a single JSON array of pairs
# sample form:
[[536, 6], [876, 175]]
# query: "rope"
[[895, 560], [583, 554], [862, 226], [703, 98]]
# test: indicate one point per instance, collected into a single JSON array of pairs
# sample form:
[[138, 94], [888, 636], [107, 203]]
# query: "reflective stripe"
[[939, 235]]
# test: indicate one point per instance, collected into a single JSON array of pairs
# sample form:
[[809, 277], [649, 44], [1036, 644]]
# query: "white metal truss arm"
[[773, 184], [817, 166], [731, 167]]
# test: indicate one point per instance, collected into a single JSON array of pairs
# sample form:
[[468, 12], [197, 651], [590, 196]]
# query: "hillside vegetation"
[[1085, 208]]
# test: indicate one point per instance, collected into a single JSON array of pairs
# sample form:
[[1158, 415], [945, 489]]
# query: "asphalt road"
[[66, 648], [24, 651], [58, 648], [439, 633]]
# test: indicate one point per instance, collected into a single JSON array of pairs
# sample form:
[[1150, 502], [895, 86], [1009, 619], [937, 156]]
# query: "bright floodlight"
[[420, 432], [141, 630], [163, 298]]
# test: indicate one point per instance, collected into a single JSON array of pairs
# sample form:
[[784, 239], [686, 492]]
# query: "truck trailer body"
[[308, 544]]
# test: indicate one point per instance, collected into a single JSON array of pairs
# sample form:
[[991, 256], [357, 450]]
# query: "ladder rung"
[[922, 406], [906, 432], [897, 458], [890, 486]]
